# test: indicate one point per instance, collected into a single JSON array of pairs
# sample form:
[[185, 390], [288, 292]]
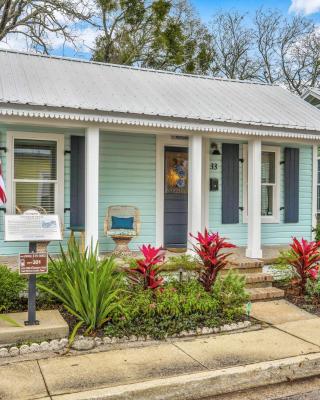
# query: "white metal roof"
[[48, 83]]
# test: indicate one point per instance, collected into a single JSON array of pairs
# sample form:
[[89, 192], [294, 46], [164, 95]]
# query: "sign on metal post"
[[32, 292], [33, 263], [32, 227]]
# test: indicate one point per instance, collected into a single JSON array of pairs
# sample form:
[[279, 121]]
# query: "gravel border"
[[82, 343]]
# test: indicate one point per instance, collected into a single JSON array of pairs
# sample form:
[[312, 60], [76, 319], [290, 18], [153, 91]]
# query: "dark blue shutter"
[[77, 182], [230, 183], [291, 185]]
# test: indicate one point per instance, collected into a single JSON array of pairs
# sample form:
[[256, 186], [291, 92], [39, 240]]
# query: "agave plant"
[[148, 269], [305, 259], [89, 288], [208, 246]]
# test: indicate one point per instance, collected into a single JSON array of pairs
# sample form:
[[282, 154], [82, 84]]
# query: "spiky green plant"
[[8, 319], [89, 288]]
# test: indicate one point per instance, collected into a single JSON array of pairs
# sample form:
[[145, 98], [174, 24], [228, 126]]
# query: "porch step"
[[244, 265], [265, 293], [258, 280]]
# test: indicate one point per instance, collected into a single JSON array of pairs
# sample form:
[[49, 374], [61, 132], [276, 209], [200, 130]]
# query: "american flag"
[[3, 196]]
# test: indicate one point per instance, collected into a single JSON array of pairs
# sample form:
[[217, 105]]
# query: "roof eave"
[[166, 123]]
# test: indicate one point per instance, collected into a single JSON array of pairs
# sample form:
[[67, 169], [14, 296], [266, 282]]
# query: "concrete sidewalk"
[[288, 348]]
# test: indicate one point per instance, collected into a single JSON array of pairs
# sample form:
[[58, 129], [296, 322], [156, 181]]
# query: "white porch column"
[[92, 186], [195, 198], [254, 199]]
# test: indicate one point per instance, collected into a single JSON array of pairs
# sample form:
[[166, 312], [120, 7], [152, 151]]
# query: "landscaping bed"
[[297, 273], [100, 300]]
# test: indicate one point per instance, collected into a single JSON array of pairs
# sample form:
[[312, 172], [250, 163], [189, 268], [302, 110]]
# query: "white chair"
[[122, 236]]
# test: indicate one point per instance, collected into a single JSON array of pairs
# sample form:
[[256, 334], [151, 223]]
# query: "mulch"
[[292, 295]]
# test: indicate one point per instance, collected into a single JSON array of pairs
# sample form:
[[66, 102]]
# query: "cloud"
[[84, 37], [305, 6]]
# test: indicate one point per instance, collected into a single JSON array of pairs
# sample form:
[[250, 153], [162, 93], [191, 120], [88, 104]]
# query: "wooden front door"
[[175, 197]]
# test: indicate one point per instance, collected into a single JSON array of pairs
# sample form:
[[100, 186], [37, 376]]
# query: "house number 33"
[[214, 166]]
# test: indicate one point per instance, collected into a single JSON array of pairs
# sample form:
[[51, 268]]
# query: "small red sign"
[[33, 263]]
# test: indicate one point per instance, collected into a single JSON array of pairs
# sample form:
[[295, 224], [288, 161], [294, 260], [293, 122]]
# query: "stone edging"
[[82, 343]]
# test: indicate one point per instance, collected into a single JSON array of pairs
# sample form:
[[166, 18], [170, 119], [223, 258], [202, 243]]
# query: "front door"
[[175, 197]]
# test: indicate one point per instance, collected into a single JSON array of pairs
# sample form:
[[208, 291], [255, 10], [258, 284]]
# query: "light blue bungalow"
[[188, 152]]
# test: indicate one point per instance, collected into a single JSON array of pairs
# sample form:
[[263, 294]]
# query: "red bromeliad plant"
[[208, 247], [305, 260], [148, 269]]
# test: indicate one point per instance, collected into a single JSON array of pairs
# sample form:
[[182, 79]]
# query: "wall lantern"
[[214, 150]]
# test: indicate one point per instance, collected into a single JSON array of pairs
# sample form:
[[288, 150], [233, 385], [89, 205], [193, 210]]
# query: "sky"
[[205, 8], [306, 7]]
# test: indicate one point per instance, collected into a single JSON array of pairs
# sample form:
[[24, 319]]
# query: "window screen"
[[35, 174], [268, 182]]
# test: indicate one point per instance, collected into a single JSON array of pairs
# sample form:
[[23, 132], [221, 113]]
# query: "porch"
[[223, 190]]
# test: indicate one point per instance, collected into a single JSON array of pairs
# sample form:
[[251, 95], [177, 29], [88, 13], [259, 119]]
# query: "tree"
[[288, 50], [41, 21], [233, 47], [272, 48], [162, 34]]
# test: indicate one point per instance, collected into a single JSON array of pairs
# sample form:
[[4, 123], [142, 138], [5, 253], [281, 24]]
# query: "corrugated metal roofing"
[[82, 85]]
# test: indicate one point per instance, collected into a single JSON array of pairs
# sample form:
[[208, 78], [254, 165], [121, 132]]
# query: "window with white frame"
[[270, 184], [36, 177]]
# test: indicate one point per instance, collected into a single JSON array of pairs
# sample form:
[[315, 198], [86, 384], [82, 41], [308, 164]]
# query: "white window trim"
[[272, 219], [59, 192]]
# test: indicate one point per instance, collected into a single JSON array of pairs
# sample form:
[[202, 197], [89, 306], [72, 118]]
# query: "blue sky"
[[207, 7]]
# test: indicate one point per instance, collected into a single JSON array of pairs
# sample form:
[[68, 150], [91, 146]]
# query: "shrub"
[[8, 319], [89, 289], [208, 247], [179, 306], [305, 259], [147, 271], [316, 230], [229, 291], [185, 261], [11, 285], [281, 269]]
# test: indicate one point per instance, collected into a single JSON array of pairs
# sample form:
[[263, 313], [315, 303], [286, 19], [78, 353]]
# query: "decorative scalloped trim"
[[191, 126]]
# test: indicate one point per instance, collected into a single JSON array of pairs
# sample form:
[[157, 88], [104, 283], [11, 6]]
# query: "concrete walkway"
[[291, 336]]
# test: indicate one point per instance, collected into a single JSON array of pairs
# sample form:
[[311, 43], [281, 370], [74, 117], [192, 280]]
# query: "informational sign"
[[32, 227], [33, 263]]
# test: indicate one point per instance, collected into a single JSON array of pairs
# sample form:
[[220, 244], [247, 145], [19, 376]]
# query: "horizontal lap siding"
[[237, 233], [11, 248], [282, 233], [128, 176]]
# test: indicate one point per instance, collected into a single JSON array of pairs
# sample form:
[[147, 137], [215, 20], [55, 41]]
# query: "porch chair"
[[122, 223]]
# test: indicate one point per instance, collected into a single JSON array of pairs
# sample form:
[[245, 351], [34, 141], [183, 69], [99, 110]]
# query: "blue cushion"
[[122, 223]]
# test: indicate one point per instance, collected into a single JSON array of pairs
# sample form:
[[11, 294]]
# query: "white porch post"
[[92, 186], [254, 199], [195, 197], [314, 188]]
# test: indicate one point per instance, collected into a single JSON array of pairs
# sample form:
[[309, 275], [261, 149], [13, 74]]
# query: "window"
[[270, 179], [36, 176]]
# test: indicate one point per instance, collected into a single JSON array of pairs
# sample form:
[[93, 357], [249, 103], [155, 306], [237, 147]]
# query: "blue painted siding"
[[271, 234], [281, 233], [128, 176]]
